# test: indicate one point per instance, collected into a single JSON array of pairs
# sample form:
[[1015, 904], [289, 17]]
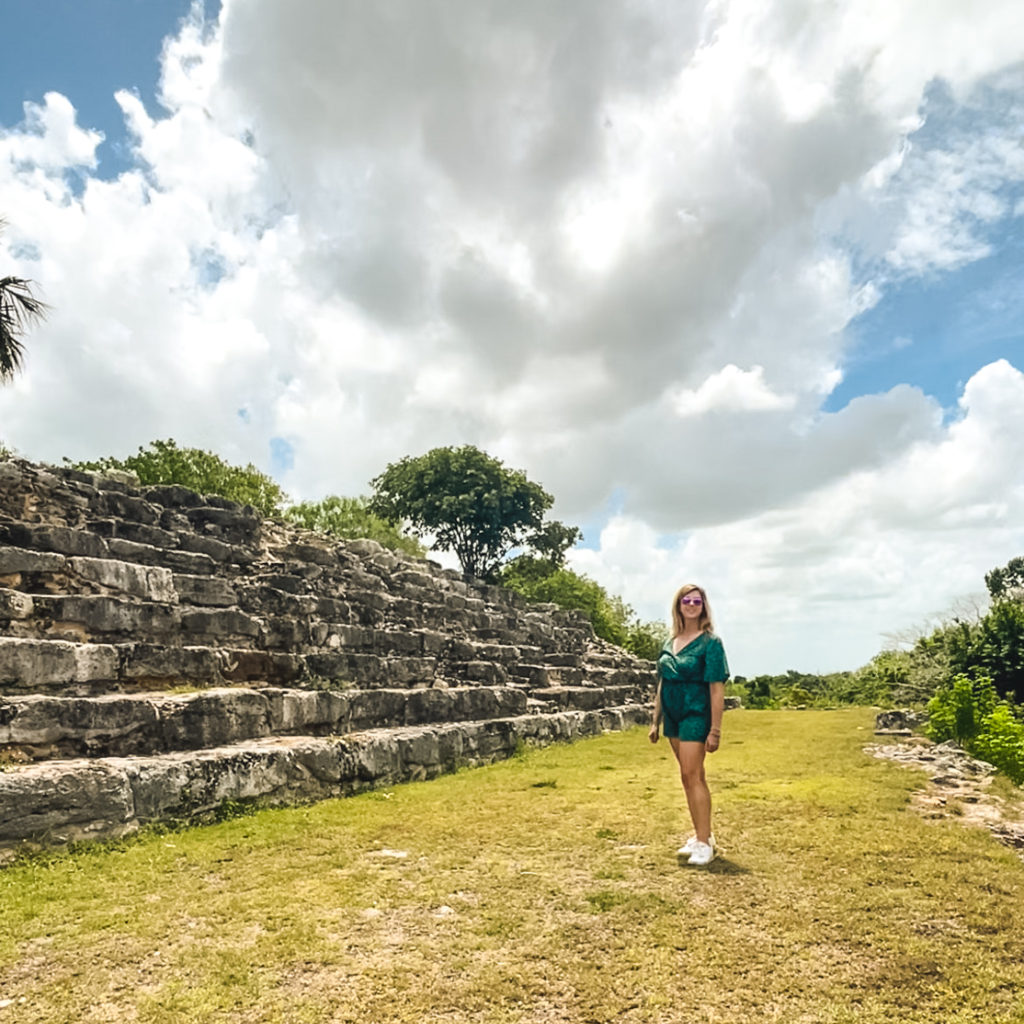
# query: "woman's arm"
[[717, 691], [656, 720]]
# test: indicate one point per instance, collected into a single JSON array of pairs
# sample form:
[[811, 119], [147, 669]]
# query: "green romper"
[[685, 693]]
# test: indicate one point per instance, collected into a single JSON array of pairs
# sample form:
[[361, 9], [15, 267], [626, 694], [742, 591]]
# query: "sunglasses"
[[691, 600]]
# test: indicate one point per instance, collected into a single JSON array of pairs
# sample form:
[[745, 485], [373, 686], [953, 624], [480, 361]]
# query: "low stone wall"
[[162, 652]]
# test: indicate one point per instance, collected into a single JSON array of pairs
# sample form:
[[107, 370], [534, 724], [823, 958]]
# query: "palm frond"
[[18, 308]]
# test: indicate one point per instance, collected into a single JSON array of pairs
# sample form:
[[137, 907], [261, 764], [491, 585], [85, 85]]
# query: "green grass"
[[543, 889]]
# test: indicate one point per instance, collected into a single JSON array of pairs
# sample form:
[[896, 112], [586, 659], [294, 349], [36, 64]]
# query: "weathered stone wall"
[[162, 652]]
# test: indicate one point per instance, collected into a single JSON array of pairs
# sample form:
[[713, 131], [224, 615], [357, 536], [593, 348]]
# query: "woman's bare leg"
[[695, 785]]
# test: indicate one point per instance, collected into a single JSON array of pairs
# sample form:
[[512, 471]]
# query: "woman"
[[692, 671]]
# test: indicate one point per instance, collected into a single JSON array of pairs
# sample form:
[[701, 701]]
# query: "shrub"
[[957, 710], [613, 620], [350, 518], [163, 462], [1000, 741]]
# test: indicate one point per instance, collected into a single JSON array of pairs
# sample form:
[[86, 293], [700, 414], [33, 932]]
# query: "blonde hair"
[[704, 622]]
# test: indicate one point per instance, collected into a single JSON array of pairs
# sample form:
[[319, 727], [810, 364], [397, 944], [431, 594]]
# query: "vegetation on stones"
[[163, 462], [19, 309], [350, 519], [468, 502], [537, 579]]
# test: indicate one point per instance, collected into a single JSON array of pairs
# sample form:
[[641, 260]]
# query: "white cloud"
[[817, 584], [618, 245], [731, 390]]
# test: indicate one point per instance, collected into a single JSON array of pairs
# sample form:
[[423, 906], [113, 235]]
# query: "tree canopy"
[[471, 504], [1007, 580]]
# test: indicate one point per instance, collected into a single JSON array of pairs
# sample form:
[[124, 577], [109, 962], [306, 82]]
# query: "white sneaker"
[[702, 853], [687, 848]]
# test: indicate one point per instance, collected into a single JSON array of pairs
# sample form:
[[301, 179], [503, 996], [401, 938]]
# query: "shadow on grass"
[[719, 866]]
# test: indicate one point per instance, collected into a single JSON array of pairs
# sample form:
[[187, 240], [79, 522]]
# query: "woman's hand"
[[653, 734], [711, 744]]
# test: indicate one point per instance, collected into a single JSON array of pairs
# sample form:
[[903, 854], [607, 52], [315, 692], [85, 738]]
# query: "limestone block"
[[151, 583], [61, 801], [352, 637], [263, 600], [265, 666], [172, 495], [117, 479], [213, 718], [208, 591], [365, 547], [333, 610], [227, 622], [374, 709], [50, 664], [306, 711], [60, 539], [376, 756], [410, 671], [346, 667], [185, 784], [419, 753], [14, 604], [147, 554], [397, 642], [233, 526], [18, 560], [80, 725], [110, 615], [154, 662], [486, 672], [142, 533], [119, 505], [215, 549], [308, 552]]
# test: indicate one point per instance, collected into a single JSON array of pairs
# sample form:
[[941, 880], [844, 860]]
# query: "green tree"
[[19, 308], [1007, 581], [350, 519], [163, 462], [471, 504], [992, 646]]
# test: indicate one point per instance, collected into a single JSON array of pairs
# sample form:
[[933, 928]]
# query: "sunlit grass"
[[543, 889]]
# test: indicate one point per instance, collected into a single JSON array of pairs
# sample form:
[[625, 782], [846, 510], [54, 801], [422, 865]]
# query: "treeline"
[[456, 499], [968, 673]]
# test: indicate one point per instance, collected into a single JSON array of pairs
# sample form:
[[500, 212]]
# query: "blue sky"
[[744, 294], [87, 50]]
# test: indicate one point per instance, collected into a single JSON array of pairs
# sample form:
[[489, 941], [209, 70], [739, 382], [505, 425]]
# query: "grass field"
[[543, 889]]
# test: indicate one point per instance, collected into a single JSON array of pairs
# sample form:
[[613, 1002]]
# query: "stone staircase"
[[164, 654]]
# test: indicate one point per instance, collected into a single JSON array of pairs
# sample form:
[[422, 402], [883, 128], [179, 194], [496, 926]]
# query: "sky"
[[738, 282]]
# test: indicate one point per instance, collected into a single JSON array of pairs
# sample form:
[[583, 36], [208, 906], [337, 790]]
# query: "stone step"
[[413, 659], [39, 728], [590, 698], [546, 675], [90, 617], [61, 667], [59, 801]]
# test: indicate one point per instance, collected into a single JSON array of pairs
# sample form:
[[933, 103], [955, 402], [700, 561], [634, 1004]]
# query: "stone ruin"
[[166, 655]]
